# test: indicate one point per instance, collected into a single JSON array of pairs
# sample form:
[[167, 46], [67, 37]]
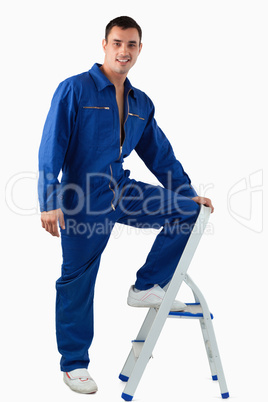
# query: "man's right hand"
[[50, 221]]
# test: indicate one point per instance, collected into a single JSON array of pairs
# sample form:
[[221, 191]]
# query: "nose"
[[124, 49]]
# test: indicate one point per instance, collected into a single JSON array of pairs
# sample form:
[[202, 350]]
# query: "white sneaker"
[[151, 298], [80, 381]]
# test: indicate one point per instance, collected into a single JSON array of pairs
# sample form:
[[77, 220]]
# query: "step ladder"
[[143, 345]]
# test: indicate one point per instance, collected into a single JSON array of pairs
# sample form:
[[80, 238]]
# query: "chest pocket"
[[97, 126]]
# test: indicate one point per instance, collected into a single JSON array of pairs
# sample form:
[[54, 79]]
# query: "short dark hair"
[[124, 23]]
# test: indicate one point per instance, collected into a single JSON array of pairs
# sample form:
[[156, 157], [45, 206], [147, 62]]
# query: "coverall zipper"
[[120, 149], [113, 207], [96, 107], [136, 115]]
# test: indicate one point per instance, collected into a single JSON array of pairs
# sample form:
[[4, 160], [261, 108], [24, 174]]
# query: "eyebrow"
[[120, 41]]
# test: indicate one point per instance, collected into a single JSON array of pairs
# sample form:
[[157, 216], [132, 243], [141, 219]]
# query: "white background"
[[204, 64]]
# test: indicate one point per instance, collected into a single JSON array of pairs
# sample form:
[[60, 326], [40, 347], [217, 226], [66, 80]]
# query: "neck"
[[116, 79]]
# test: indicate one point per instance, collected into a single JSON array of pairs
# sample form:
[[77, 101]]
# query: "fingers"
[[50, 221], [204, 201], [207, 202], [61, 220], [51, 227], [54, 229]]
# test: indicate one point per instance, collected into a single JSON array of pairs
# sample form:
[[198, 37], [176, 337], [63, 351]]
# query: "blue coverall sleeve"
[[57, 131], [156, 151]]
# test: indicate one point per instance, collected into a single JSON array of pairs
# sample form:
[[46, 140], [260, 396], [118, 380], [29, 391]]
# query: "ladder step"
[[194, 310], [137, 346]]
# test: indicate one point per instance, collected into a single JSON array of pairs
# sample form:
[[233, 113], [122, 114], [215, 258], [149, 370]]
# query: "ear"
[[140, 48], [104, 44]]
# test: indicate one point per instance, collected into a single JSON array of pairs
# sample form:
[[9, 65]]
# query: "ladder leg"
[[208, 350], [215, 356], [213, 370], [209, 339]]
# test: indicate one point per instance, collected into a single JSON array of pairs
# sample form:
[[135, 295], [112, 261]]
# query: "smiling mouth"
[[122, 60]]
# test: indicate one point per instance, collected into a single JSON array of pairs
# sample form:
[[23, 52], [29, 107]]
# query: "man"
[[96, 119]]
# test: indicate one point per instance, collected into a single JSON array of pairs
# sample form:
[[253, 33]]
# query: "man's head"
[[122, 45]]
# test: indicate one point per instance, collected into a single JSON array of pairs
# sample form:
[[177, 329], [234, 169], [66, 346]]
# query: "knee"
[[195, 208], [191, 211], [185, 220]]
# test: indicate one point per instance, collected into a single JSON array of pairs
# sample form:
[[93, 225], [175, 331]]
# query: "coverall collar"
[[101, 81]]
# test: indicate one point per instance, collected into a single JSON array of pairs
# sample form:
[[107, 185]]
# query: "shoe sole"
[[133, 303]]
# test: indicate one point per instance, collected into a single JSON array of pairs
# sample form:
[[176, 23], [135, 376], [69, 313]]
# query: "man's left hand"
[[204, 201]]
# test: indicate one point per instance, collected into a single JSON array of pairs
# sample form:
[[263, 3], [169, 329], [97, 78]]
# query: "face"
[[121, 50]]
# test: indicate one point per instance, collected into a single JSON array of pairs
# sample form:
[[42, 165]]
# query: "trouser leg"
[[164, 255], [75, 293], [147, 206]]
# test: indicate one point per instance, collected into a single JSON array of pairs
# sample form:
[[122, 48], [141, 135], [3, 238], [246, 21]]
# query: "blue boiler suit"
[[81, 138]]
